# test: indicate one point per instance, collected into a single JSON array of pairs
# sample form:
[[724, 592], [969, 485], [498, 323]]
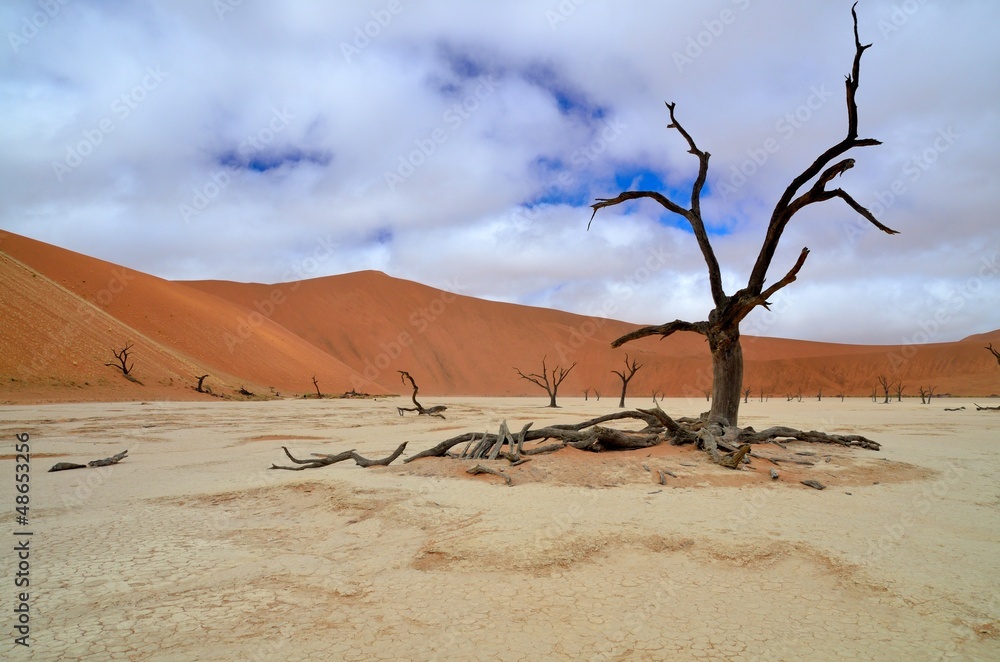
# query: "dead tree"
[[598, 394], [722, 328], [586, 394], [551, 385], [746, 395], [122, 357], [201, 384], [995, 353], [925, 394], [899, 391], [884, 383], [819, 396], [626, 376], [417, 407], [316, 384]]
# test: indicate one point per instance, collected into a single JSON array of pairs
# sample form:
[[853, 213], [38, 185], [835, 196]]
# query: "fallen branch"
[[419, 408], [324, 460], [480, 469], [106, 462]]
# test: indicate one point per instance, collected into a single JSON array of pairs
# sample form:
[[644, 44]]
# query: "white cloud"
[[480, 108]]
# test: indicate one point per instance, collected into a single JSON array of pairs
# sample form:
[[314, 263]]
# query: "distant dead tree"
[[819, 396], [316, 384], [994, 352], [201, 382], [925, 394], [841, 396], [586, 394], [800, 395], [899, 391], [708, 396], [746, 394], [417, 407], [122, 357], [551, 386], [874, 394], [626, 376], [884, 383], [598, 394]]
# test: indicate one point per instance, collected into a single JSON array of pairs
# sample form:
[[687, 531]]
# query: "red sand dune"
[[62, 313]]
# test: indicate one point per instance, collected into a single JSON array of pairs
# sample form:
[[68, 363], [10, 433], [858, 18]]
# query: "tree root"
[[728, 446], [323, 460]]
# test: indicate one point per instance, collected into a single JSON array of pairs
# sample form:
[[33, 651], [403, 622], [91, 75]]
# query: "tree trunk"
[[727, 373], [621, 402], [552, 399]]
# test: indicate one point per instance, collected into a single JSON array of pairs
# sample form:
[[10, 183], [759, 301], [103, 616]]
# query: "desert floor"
[[192, 549]]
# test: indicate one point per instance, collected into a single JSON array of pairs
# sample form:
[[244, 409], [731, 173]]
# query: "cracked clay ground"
[[191, 549]]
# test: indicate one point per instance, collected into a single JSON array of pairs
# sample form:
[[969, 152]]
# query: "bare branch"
[[788, 205], [693, 215], [789, 278], [634, 195], [663, 330], [995, 353]]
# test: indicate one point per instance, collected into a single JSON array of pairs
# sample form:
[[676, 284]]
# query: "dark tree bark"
[[884, 383], [722, 328], [417, 407], [324, 460], [549, 382], [925, 394], [105, 462], [316, 384], [586, 394], [727, 446], [201, 383], [899, 391], [626, 375], [746, 395], [995, 353], [122, 357]]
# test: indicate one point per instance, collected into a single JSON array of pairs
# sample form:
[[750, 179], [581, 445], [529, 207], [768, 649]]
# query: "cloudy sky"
[[460, 144]]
